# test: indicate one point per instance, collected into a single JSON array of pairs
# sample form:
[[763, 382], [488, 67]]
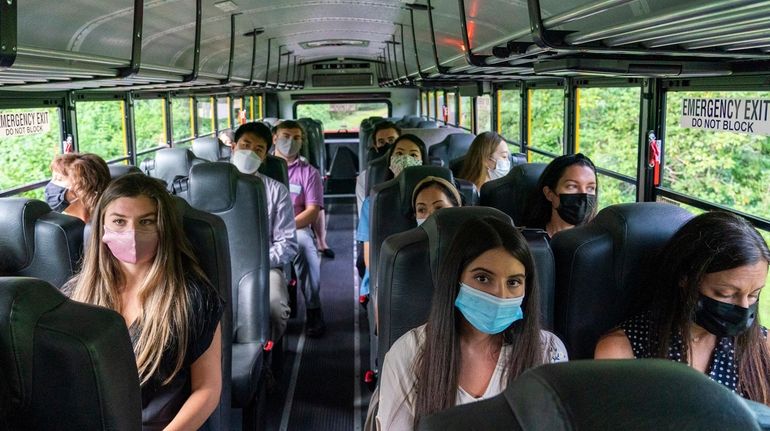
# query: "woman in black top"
[[139, 264], [704, 311]]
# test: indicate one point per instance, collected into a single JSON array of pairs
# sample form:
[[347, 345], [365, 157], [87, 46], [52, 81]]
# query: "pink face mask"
[[131, 246]]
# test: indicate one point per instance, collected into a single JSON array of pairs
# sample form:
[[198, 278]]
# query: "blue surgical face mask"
[[488, 313], [56, 196]]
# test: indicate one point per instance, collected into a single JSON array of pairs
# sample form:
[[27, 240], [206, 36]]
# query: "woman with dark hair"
[[482, 332], [488, 159], [432, 194], [139, 264], [704, 307], [407, 151], [566, 195]]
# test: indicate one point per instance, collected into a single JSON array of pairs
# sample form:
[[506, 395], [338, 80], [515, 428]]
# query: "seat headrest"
[[208, 148], [642, 394], [174, 162], [409, 177], [427, 125], [117, 171], [442, 226], [453, 146], [214, 186], [17, 231], [511, 193], [433, 136]]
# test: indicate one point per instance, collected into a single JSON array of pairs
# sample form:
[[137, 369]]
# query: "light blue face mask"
[[488, 313]]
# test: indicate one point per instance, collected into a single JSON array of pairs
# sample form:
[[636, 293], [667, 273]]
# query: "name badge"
[[295, 189]]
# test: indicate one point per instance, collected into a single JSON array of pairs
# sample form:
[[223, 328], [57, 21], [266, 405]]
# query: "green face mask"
[[401, 161]]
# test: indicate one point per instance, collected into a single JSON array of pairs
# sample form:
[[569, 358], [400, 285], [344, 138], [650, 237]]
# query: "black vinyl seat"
[[629, 395], [171, 164], [452, 147], [602, 269], [65, 365], [510, 193], [406, 288], [207, 234], [209, 148], [38, 242], [427, 124], [275, 168], [117, 171], [240, 201], [314, 147], [342, 171]]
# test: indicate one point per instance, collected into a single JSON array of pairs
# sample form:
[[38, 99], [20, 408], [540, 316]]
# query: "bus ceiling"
[[240, 45]]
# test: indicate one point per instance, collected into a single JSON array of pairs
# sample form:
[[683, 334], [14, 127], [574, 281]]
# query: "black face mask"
[[56, 196], [723, 319], [573, 208]]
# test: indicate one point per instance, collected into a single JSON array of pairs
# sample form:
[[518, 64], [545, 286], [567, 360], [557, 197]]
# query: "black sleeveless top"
[[161, 403], [722, 369]]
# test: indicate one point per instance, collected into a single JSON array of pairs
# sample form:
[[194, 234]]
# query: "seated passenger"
[[431, 194], [307, 198], [252, 142], [408, 150], [566, 195], [384, 135], [140, 265], [77, 182], [482, 332], [227, 137], [704, 308], [487, 159]]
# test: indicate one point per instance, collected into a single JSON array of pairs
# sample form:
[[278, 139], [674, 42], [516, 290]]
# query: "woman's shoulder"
[[405, 349], [553, 348]]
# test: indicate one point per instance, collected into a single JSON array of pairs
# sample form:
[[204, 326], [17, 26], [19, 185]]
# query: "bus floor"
[[320, 386]]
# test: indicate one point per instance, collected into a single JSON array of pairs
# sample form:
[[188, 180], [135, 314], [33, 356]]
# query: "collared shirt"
[[362, 234], [305, 186], [280, 215]]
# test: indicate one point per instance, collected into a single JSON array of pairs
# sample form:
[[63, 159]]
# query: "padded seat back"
[[37, 242], [117, 171], [427, 125], [65, 365], [452, 147], [275, 168], [376, 172], [597, 395], [314, 147], [207, 234], [433, 136], [604, 266], [511, 193], [209, 148], [170, 163]]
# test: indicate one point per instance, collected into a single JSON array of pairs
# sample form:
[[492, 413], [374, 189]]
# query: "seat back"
[[427, 125], [342, 171], [207, 234], [510, 194], [376, 172], [602, 267], [37, 242], [210, 149], [117, 171], [314, 147], [66, 365], [452, 147], [433, 136], [171, 163], [240, 201], [587, 395], [275, 168]]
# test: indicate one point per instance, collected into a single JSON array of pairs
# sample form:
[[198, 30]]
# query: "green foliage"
[[547, 122], [181, 121], [338, 116], [149, 122], [484, 113], [465, 111], [205, 117], [451, 103], [510, 110], [26, 159], [101, 129], [223, 113]]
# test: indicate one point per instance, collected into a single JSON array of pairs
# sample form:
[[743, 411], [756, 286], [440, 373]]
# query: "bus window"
[[509, 104], [440, 105], [451, 103], [466, 110], [149, 124], [339, 116], [432, 104], [26, 154], [102, 128], [181, 113], [223, 113], [423, 103], [484, 113], [248, 106], [235, 116], [205, 116], [724, 167], [546, 121], [608, 133]]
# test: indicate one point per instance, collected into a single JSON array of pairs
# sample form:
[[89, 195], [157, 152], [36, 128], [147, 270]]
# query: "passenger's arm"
[[396, 389], [284, 246], [614, 345], [307, 217], [366, 254], [206, 382]]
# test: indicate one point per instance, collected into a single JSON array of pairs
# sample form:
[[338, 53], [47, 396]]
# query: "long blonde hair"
[[483, 146], [164, 321]]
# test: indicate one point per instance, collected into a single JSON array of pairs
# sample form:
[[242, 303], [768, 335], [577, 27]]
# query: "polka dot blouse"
[[722, 366]]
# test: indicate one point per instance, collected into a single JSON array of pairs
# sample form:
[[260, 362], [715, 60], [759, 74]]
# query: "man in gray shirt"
[[252, 141]]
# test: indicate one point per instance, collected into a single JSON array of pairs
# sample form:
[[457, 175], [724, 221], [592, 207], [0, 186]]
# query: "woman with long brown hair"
[[482, 332], [78, 182], [139, 264], [704, 307], [487, 159]]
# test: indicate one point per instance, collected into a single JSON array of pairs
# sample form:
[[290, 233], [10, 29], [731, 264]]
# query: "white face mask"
[[288, 147], [246, 161], [420, 221], [502, 167]]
